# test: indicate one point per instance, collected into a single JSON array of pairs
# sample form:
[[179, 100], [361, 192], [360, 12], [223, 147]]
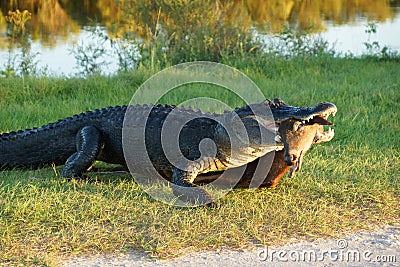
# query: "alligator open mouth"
[[284, 117], [320, 117]]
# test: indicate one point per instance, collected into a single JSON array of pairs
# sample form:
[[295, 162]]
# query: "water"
[[57, 27], [350, 38]]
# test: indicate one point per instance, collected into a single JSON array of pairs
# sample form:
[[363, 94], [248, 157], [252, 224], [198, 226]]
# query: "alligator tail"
[[34, 148]]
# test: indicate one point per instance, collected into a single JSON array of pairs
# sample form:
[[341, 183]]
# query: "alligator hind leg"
[[88, 145]]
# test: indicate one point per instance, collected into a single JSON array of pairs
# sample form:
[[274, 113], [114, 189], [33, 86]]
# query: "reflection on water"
[[57, 24], [56, 20]]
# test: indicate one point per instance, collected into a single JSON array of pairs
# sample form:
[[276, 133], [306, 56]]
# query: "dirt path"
[[377, 248]]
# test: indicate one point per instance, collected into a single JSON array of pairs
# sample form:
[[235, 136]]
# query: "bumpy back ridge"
[[14, 135]]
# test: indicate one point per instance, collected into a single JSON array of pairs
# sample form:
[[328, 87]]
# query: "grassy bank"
[[347, 184]]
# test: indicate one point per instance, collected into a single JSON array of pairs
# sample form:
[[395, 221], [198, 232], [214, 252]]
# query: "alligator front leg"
[[184, 188], [88, 146]]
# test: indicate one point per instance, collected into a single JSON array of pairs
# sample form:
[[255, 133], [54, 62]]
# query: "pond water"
[[56, 27]]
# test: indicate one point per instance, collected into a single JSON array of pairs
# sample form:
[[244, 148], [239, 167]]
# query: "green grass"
[[347, 184]]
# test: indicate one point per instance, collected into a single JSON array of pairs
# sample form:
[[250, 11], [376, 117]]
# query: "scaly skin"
[[56, 142], [78, 141]]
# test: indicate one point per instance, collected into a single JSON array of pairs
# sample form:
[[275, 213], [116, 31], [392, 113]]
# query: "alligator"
[[78, 141]]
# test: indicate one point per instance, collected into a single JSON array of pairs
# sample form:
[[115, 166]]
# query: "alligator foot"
[[185, 190], [88, 146], [192, 196]]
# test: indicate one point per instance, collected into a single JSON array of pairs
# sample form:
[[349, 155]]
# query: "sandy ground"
[[377, 248]]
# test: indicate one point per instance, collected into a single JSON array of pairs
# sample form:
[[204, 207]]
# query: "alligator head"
[[297, 127], [300, 128]]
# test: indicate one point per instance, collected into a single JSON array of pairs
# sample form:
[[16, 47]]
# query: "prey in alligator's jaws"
[[299, 134]]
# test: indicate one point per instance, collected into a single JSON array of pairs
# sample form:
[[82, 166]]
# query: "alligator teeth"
[[331, 131]]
